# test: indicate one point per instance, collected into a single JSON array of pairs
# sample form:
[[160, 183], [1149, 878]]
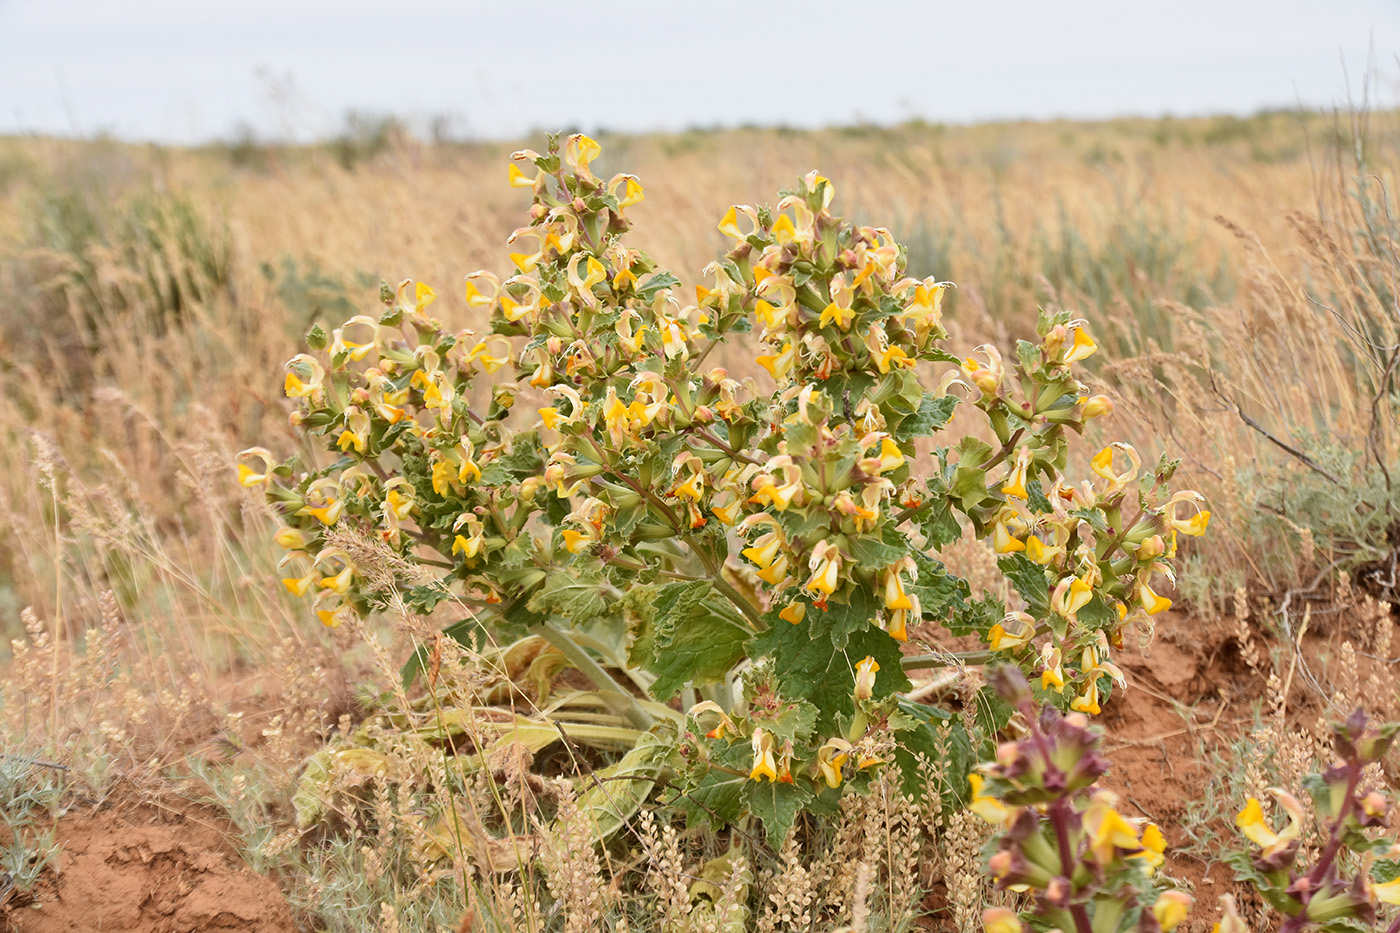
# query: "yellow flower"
[[839, 309], [927, 304], [710, 706], [831, 757], [356, 351], [693, 488], [1387, 892], [1013, 631], [594, 273], [469, 544], [1082, 347], [1041, 553], [290, 539], [356, 432], [1171, 909], [1251, 822], [1195, 526], [1088, 701], [1016, 479], [1071, 595], [988, 808], [1054, 673], [249, 477], [895, 597], [513, 309], [866, 670], [526, 262], [776, 573], [898, 627], [1002, 540], [299, 586], [764, 765], [825, 564], [729, 224], [631, 190], [518, 179], [322, 503], [768, 491], [1150, 600], [1103, 465], [986, 378], [778, 364], [331, 618], [1107, 829], [338, 583], [1095, 406], [1154, 847], [576, 541], [579, 150], [763, 551], [304, 377], [492, 353], [794, 612]]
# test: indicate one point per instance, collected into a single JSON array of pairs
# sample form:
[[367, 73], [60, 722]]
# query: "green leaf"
[[954, 751], [577, 595], [939, 591], [993, 713], [977, 617], [777, 805], [873, 553], [811, 665], [694, 639], [939, 524], [933, 415], [1095, 519], [1097, 614], [655, 283], [715, 795], [794, 721], [1028, 578], [617, 792], [1035, 498], [316, 338]]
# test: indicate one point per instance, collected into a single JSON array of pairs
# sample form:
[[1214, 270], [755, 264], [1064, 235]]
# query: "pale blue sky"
[[188, 70]]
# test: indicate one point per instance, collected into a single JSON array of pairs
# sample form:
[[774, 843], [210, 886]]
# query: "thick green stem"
[[608, 689]]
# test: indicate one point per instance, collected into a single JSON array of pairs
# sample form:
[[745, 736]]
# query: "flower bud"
[[1170, 909], [1001, 920], [1096, 406], [290, 539], [1152, 548], [529, 486]]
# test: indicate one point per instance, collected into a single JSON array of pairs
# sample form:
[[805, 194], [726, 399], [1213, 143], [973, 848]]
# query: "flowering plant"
[[1332, 892], [1062, 840], [762, 548]]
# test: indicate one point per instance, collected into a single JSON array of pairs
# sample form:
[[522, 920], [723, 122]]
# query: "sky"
[[184, 71]]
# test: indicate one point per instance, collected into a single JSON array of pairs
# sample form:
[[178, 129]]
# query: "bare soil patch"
[[139, 869]]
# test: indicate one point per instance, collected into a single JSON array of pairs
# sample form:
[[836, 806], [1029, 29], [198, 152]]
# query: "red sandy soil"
[[135, 868]]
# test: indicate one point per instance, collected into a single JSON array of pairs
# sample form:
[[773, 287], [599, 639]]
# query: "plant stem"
[[916, 662], [1059, 813], [608, 689]]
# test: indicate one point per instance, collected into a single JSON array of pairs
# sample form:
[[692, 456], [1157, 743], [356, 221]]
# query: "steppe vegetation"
[[1239, 277]]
